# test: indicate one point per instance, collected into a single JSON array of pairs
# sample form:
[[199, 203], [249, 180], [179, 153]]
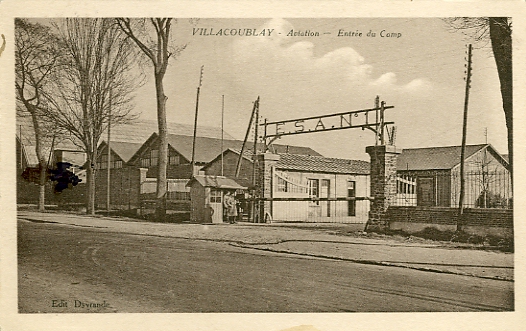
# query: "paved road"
[[73, 269]]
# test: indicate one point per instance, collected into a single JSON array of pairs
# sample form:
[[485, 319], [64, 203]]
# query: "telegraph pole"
[[238, 166], [377, 108], [108, 189], [463, 148], [222, 131], [254, 162], [195, 120]]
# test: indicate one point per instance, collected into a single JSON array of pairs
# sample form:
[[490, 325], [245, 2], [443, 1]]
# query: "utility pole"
[[238, 166], [222, 130], [108, 188], [382, 123], [195, 120], [254, 161], [463, 148], [376, 107]]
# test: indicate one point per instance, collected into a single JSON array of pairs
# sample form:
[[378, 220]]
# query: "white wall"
[[307, 211]]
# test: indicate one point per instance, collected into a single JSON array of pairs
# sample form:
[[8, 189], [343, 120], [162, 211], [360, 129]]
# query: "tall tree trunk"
[[90, 177], [500, 36], [163, 144], [42, 188], [42, 163]]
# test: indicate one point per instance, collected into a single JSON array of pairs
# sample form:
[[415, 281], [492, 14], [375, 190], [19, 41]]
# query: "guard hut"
[[206, 194]]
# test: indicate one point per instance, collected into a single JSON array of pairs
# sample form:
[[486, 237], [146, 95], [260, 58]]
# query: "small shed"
[[206, 194]]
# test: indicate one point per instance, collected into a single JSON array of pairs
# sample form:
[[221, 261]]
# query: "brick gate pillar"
[[383, 184], [265, 163]]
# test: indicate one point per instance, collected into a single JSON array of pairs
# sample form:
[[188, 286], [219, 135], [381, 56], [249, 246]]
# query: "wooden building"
[[207, 194], [431, 177], [309, 188]]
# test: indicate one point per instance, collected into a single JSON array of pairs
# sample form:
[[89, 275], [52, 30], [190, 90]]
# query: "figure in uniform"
[[230, 207]]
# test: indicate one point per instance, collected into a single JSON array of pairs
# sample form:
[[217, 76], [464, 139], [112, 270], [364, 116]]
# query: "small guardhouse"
[[206, 194]]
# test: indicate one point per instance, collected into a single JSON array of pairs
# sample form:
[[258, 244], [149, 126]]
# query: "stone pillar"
[[383, 184], [265, 163]]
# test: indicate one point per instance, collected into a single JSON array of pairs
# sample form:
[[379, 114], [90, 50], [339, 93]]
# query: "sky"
[[420, 72]]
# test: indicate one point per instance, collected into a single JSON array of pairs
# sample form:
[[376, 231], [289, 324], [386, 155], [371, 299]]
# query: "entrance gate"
[[319, 199]]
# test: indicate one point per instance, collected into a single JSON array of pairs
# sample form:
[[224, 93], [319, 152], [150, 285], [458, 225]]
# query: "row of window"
[[149, 160], [313, 186], [321, 188], [152, 159], [103, 163]]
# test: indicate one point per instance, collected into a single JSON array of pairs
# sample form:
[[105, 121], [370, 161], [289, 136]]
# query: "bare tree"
[[97, 81], [152, 37], [496, 30], [37, 57]]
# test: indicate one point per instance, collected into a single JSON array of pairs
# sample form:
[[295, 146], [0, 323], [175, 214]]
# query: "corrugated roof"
[[25, 131], [207, 149], [217, 182], [434, 158], [124, 150], [322, 164], [126, 138], [278, 149], [139, 131], [26, 135]]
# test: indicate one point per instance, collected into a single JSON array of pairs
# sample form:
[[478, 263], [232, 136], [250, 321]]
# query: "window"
[[313, 185], [325, 192], [145, 162], [173, 158], [215, 196], [406, 184], [351, 193], [154, 157], [150, 159], [325, 188], [282, 185], [103, 164]]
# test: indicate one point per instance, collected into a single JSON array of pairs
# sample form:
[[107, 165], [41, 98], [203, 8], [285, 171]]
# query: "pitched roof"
[[207, 149], [278, 149], [124, 150], [322, 164], [216, 181], [139, 131], [136, 132], [26, 136], [434, 158]]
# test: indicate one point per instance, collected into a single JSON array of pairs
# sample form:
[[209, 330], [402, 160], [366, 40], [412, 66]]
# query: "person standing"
[[231, 208]]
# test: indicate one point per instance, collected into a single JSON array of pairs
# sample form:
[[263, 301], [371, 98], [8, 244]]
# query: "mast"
[[195, 120]]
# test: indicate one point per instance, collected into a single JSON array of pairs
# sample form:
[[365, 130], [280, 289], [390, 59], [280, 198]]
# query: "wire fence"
[[483, 189]]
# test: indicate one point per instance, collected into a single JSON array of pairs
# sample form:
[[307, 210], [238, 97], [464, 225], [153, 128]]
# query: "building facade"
[[431, 177], [306, 188]]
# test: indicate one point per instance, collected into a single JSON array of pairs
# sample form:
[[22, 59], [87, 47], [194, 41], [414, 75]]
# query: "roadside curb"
[[254, 245], [370, 262]]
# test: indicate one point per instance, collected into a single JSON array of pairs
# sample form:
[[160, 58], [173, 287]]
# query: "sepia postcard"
[[253, 165]]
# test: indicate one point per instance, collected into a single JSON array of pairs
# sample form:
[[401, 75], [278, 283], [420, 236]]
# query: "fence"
[[442, 189], [176, 201], [317, 210], [317, 197]]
